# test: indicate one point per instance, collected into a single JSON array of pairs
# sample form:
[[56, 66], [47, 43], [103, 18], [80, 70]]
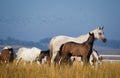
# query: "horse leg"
[[91, 60], [31, 63], [70, 62], [18, 60], [53, 57], [48, 60], [38, 62], [24, 63], [5, 61], [87, 59], [60, 61], [84, 59], [63, 58], [98, 62]]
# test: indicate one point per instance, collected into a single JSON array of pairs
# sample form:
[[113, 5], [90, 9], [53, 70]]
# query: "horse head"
[[91, 37], [99, 34]]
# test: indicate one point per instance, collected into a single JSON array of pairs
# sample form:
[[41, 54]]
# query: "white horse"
[[57, 41], [27, 54]]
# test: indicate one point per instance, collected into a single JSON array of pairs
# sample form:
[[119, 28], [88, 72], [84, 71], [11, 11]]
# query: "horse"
[[27, 54], [44, 57], [95, 59], [57, 41], [7, 55], [84, 49]]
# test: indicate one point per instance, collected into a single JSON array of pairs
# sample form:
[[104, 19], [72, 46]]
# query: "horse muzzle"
[[104, 40]]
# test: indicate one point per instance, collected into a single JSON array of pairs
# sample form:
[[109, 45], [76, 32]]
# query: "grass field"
[[108, 70]]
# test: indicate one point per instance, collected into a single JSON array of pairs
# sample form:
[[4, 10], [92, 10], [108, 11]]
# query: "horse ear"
[[102, 27], [89, 33], [99, 28]]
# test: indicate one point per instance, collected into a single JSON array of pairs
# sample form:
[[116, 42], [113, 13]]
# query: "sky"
[[32, 20]]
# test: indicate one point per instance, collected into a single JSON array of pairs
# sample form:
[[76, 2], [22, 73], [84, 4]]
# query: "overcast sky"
[[37, 19]]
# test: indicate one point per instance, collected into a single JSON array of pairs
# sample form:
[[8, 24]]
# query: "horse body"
[[57, 41], [78, 49], [27, 54]]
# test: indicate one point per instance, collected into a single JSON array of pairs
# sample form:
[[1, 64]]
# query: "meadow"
[[108, 70]]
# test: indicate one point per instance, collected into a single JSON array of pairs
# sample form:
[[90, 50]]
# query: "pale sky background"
[[32, 20]]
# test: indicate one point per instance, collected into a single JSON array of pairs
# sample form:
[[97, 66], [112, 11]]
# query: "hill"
[[107, 50], [110, 44], [42, 44]]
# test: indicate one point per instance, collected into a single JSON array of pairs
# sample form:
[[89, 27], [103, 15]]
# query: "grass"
[[108, 70]]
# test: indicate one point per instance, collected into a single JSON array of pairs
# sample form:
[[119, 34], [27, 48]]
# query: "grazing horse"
[[57, 41], [78, 49], [7, 55], [27, 54], [95, 59], [44, 57]]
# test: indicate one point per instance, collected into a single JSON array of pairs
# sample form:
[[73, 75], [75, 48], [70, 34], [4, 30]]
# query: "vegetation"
[[108, 70]]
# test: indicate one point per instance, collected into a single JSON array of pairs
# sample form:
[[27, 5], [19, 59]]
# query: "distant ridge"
[[42, 44], [107, 51], [110, 43], [111, 46]]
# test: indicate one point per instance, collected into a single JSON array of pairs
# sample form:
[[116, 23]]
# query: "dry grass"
[[108, 70]]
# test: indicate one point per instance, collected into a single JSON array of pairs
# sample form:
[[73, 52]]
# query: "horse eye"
[[100, 33]]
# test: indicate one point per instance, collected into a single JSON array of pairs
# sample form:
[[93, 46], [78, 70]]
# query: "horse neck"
[[89, 42], [82, 38]]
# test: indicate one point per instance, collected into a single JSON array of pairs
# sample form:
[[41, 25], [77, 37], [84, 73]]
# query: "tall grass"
[[108, 70]]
